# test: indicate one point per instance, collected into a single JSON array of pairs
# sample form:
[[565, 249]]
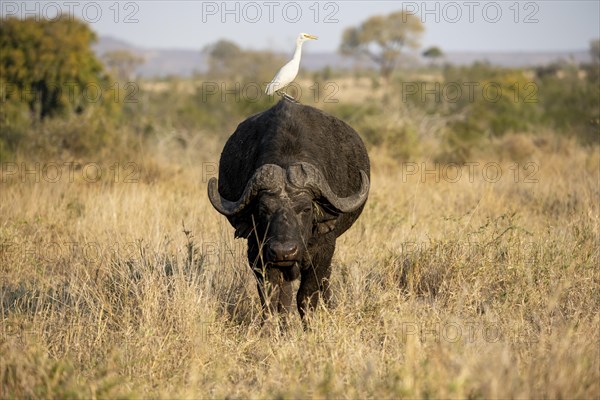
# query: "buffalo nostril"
[[283, 251]]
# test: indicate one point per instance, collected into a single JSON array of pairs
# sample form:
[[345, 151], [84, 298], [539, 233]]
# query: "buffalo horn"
[[306, 175], [267, 177]]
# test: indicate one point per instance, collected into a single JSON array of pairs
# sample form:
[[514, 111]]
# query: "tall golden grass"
[[481, 286]]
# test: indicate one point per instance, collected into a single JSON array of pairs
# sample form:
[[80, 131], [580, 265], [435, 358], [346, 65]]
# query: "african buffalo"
[[291, 180]]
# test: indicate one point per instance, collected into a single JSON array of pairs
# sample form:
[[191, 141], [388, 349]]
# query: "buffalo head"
[[281, 210]]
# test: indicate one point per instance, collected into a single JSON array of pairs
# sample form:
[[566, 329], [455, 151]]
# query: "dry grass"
[[442, 289]]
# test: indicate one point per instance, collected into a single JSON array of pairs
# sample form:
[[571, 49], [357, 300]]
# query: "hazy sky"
[[452, 25]]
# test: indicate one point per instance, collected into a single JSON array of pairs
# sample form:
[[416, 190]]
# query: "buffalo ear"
[[325, 219], [243, 230], [243, 226], [325, 227]]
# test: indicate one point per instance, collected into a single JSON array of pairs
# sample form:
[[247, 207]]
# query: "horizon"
[[125, 42], [478, 26]]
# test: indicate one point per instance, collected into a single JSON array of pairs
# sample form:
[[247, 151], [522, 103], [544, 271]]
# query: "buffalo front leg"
[[314, 282], [275, 293]]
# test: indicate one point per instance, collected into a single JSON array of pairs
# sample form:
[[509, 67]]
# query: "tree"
[[227, 59], [433, 53], [383, 38], [49, 64], [122, 63], [224, 57]]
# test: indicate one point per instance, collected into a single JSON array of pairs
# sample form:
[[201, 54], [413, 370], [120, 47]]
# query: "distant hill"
[[173, 62], [157, 62]]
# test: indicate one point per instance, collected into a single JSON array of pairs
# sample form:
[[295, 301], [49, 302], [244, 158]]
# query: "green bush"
[[571, 102]]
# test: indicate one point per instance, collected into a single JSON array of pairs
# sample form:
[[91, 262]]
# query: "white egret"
[[288, 72]]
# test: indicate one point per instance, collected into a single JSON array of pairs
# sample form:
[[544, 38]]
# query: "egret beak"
[[313, 37]]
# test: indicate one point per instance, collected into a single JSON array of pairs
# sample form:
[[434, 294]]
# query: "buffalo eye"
[[304, 209]]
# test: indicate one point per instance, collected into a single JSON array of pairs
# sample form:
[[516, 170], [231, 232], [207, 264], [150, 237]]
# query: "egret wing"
[[275, 83], [282, 78]]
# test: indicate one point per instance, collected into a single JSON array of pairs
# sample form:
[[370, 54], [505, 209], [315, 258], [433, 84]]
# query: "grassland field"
[[474, 280]]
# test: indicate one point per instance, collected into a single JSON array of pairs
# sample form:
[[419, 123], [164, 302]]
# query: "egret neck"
[[297, 55]]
